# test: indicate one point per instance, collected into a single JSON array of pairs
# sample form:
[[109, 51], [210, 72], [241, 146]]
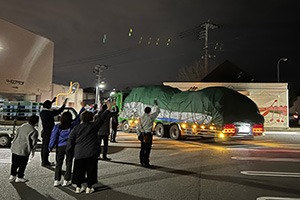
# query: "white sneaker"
[[56, 183], [79, 190], [21, 180], [66, 183], [12, 178], [89, 190]]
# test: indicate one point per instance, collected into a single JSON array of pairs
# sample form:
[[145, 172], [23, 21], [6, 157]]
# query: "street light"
[[284, 59]]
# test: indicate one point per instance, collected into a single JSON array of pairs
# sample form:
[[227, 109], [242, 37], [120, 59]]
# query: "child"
[[59, 138], [24, 142]]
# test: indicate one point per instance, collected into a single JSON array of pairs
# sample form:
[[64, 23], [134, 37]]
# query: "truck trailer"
[[217, 113]]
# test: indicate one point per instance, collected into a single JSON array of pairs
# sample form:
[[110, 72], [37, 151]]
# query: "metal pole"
[[98, 70], [206, 49], [284, 59]]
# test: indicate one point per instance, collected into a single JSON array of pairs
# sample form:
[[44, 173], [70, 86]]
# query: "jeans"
[[145, 151], [18, 165]]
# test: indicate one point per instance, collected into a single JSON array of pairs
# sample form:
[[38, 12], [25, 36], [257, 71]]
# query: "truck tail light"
[[229, 128], [258, 128]]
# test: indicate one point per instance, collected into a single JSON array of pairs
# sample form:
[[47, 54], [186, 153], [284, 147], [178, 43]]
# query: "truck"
[[15, 113], [216, 113]]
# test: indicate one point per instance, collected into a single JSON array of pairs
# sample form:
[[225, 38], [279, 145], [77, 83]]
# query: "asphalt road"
[[267, 168]]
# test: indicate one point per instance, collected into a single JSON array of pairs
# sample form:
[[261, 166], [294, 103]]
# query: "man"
[[103, 132], [114, 125], [145, 134], [47, 117]]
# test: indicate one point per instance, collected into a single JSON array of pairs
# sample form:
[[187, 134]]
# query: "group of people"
[[79, 139]]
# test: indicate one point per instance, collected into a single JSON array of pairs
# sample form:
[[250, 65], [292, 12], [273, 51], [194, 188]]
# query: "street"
[[267, 168]]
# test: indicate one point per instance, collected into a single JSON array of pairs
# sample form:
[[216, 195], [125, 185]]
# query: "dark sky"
[[254, 35]]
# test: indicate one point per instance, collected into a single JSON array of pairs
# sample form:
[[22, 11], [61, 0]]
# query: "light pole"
[[284, 59]]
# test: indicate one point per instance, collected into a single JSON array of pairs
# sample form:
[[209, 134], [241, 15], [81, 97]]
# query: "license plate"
[[244, 129]]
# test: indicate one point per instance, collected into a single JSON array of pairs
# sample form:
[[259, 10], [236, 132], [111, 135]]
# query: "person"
[[47, 117], [145, 130], [114, 125], [59, 138], [94, 109], [23, 144], [83, 145], [103, 132]]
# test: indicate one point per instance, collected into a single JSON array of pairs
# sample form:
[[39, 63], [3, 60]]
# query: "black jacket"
[[83, 139], [104, 130], [47, 117]]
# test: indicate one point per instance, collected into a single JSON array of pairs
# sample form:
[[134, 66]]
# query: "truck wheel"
[[159, 130], [125, 126], [4, 141], [175, 132]]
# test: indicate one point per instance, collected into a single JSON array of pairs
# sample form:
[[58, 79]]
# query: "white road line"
[[282, 133], [266, 159], [264, 173], [276, 198]]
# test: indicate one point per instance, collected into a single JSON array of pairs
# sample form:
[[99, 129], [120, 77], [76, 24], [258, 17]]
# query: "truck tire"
[[159, 130], [174, 132], [125, 126], [5, 141]]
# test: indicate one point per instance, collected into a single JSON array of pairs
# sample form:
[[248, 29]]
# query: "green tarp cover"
[[218, 105]]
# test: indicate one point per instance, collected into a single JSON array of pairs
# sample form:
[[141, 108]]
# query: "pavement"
[[176, 173]]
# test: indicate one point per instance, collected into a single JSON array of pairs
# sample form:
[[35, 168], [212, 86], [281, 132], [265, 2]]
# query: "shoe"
[[56, 183], [21, 180], [147, 165], [66, 183], [89, 190], [99, 158], [48, 164], [12, 178], [79, 190], [107, 159]]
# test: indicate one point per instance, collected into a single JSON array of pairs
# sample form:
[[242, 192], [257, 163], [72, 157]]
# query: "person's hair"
[[147, 110], [87, 116], [104, 107], [65, 120], [47, 104], [95, 106], [33, 120]]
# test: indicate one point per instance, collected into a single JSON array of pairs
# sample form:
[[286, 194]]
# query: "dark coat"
[[83, 140], [104, 130]]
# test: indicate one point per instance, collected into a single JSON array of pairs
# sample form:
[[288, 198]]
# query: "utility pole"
[[204, 35], [98, 69]]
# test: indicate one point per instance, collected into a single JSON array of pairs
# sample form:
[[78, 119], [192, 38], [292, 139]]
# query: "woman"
[[83, 144], [59, 138]]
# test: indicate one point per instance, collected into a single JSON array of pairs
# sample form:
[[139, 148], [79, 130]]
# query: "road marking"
[[276, 198], [281, 133], [264, 173], [266, 159]]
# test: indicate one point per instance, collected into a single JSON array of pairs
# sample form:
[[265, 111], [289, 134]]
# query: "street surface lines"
[[267, 159], [276, 198], [276, 174]]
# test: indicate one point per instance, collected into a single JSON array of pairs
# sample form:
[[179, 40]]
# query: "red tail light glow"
[[229, 128], [258, 128]]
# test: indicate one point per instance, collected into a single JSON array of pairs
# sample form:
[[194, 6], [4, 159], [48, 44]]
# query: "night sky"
[[253, 35]]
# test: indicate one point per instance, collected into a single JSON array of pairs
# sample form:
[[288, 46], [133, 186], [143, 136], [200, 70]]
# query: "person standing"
[[103, 132], [83, 145], [23, 144], [47, 117], [144, 132], [114, 125], [59, 138]]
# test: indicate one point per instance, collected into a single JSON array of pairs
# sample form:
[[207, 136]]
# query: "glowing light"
[[194, 126], [183, 125], [157, 42], [168, 42], [104, 38], [1, 48], [202, 127], [221, 135], [149, 42], [141, 38], [136, 121], [130, 32]]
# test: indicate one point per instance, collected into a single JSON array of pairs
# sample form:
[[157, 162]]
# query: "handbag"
[[147, 137]]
